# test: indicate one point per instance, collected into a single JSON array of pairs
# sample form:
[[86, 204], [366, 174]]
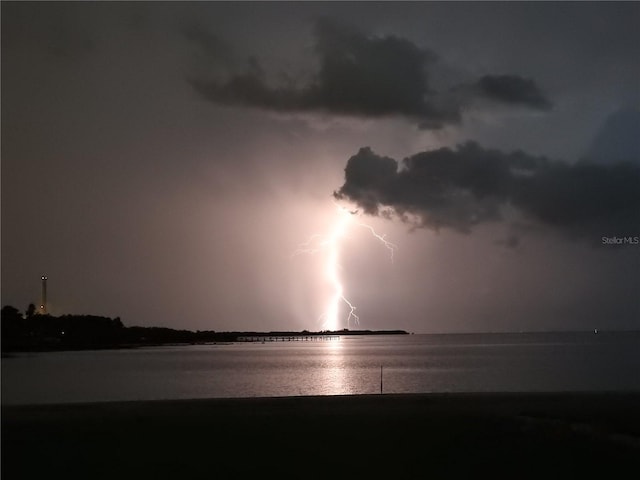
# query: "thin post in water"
[[380, 378]]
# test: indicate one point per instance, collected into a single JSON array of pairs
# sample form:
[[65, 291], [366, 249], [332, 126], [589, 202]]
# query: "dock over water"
[[315, 337]]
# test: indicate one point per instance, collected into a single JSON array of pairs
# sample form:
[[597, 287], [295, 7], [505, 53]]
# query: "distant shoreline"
[[117, 337], [146, 337]]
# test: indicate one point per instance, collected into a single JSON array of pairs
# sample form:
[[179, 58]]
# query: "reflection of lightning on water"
[[330, 244]]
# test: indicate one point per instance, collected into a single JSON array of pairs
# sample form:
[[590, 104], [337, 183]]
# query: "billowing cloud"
[[512, 89], [369, 76], [463, 187]]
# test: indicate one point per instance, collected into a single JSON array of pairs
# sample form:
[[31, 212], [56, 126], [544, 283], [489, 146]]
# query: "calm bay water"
[[350, 365]]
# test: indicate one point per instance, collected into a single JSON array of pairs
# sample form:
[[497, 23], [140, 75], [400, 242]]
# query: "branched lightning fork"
[[389, 245], [330, 243]]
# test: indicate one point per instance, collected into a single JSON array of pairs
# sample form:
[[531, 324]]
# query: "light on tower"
[[43, 301]]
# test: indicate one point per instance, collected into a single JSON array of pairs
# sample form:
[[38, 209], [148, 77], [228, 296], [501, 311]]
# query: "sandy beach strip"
[[507, 435]]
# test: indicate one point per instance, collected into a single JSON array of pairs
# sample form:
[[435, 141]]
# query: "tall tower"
[[43, 299]]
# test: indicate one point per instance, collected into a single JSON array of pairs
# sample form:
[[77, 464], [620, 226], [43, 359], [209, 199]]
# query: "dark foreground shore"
[[376, 436]]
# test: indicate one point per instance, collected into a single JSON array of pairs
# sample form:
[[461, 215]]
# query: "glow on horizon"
[[331, 244]]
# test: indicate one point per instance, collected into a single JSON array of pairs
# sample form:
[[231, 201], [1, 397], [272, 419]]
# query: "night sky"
[[162, 162]]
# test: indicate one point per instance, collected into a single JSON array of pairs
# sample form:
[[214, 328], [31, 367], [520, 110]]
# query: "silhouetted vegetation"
[[35, 332], [66, 332]]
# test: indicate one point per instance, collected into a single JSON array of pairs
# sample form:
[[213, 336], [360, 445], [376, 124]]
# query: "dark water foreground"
[[378, 436]]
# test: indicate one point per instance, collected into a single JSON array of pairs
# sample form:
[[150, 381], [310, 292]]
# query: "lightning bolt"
[[331, 243]]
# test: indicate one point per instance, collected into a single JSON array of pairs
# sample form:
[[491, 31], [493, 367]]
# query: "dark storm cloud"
[[512, 89], [371, 76], [374, 76], [462, 187]]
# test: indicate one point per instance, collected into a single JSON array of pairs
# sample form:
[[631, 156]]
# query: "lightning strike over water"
[[331, 243]]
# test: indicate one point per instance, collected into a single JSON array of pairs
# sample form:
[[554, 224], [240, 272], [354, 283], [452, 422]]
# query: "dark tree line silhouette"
[[47, 332], [42, 332], [36, 332]]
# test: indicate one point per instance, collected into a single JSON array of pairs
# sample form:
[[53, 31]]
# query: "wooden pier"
[[287, 338]]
